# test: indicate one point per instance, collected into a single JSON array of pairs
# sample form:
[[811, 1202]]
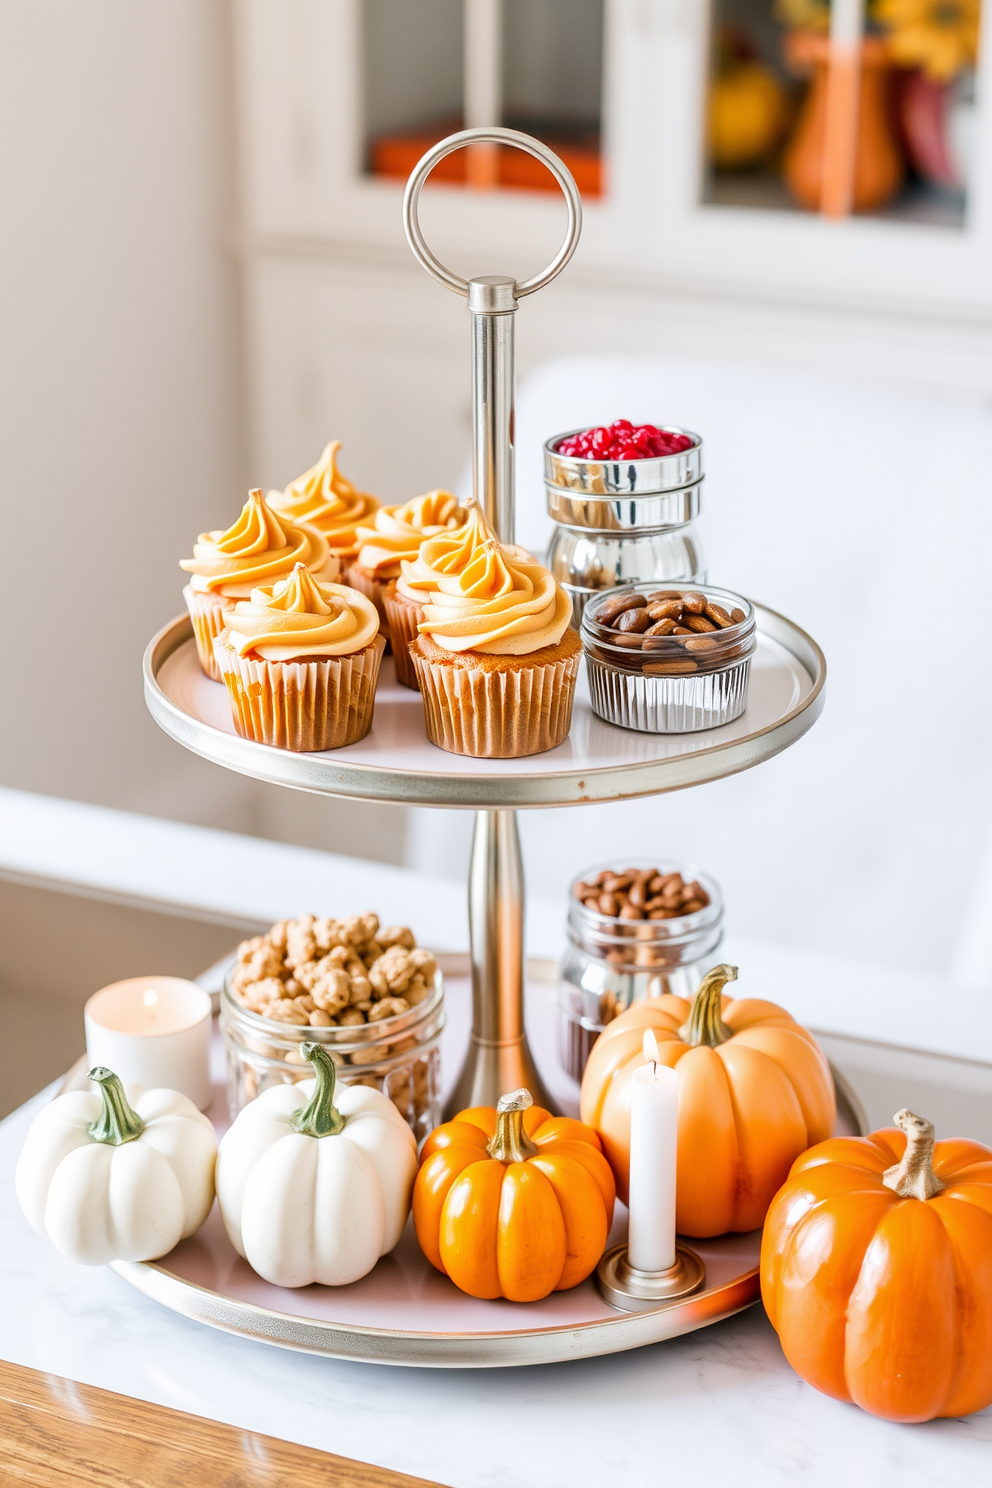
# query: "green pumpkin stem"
[[117, 1123], [913, 1176], [319, 1117], [511, 1143], [705, 1023]]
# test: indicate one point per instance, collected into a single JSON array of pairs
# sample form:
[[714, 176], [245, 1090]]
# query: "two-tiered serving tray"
[[404, 1312]]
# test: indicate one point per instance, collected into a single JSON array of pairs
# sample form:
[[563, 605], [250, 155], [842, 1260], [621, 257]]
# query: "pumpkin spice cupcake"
[[395, 536], [258, 548], [496, 657], [300, 660], [443, 556], [322, 498]]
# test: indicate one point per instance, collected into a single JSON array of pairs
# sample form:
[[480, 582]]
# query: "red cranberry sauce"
[[623, 440]]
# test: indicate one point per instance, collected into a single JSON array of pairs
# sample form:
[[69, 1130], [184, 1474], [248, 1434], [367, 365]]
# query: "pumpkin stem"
[[705, 1024], [511, 1143], [117, 1123], [913, 1177], [319, 1117]]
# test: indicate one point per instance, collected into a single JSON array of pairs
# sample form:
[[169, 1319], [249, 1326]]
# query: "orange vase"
[[878, 161]]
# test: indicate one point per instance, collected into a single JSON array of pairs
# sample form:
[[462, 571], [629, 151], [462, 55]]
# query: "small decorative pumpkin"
[[755, 1090], [876, 1271], [108, 1181], [310, 1190], [513, 1202]]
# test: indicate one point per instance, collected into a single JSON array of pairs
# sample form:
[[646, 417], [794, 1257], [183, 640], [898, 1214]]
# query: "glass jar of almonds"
[[634, 932]]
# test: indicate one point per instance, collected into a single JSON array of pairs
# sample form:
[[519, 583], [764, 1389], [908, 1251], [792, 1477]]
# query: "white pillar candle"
[[153, 1031], [654, 1125]]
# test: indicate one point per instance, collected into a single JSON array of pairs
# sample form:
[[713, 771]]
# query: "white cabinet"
[[341, 317]]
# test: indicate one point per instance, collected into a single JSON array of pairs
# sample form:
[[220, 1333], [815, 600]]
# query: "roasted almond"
[[666, 609], [717, 614], [669, 668], [633, 620], [609, 609]]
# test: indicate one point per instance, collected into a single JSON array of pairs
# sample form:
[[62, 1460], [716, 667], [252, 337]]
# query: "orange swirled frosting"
[[325, 500], [260, 547], [398, 531], [446, 555], [300, 617], [499, 604]]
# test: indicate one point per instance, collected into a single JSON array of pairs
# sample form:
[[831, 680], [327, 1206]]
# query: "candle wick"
[[654, 1069]]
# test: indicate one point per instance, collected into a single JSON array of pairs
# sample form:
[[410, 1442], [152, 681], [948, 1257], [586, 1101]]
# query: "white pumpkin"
[[106, 1181], [314, 1184]]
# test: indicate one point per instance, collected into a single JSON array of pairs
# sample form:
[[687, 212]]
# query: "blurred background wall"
[[123, 425]]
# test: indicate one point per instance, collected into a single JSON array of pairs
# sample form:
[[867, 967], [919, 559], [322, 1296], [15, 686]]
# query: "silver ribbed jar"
[[653, 683], [623, 521], [610, 963]]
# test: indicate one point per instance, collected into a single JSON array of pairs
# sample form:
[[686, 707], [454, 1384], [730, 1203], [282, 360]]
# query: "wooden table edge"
[[54, 1431]]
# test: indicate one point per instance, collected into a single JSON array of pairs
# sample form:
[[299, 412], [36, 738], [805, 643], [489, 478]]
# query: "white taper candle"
[[654, 1124]]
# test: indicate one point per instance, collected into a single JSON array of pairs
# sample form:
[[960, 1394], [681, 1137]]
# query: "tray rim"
[[404, 1348], [324, 775], [471, 1350]]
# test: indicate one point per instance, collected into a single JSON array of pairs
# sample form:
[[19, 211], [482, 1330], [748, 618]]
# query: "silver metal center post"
[[498, 1057]]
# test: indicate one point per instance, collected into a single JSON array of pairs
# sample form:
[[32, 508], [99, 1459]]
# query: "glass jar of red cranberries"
[[624, 498]]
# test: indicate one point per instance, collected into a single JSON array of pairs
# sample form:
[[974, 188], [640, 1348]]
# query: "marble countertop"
[[717, 1402]]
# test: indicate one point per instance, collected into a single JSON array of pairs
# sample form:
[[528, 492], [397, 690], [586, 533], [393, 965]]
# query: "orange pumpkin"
[[876, 1271], [513, 1202], [755, 1090]]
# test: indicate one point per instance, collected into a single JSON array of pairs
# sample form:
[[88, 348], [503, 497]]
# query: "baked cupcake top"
[[398, 531], [258, 548], [323, 498], [300, 617], [499, 604], [447, 555]]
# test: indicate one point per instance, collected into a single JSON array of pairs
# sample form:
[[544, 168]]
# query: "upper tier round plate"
[[597, 762]]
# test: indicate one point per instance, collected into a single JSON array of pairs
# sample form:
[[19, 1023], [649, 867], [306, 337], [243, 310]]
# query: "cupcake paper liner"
[[403, 621], [208, 613], [497, 715], [302, 705], [360, 579]]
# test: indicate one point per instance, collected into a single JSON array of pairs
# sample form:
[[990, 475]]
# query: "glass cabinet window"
[[413, 82], [553, 84], [535, 65], [843, 106]]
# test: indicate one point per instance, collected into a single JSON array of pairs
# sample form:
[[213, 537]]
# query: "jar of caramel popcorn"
[[633, 932], [368, 994]]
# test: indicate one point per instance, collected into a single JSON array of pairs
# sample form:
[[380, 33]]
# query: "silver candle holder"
[[627, 1289]]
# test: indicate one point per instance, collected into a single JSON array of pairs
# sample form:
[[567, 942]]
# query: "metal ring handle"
[[495, 136]]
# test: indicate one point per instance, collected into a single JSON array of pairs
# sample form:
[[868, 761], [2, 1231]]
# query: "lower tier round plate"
[[597, 762], [405, 1312]]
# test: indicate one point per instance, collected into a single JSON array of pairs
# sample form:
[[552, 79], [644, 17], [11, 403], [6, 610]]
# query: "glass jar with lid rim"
[[620, 522], [399, 1055], [610, 963]]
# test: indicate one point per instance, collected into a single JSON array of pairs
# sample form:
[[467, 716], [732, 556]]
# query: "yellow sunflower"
[[938, 36]]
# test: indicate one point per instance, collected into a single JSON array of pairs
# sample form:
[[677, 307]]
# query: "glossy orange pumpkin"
[[513, 1202], [876, 1271], [755, 1090]]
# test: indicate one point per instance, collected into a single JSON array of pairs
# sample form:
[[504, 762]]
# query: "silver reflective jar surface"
[[611, 963], [623, 522]]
